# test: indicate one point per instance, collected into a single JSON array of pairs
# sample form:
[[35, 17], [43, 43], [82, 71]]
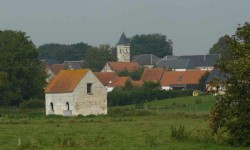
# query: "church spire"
[[123, 40], [123, 49]]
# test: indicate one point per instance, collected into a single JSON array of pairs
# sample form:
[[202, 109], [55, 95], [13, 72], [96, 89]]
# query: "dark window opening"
[[51, 106], [67, 105], [89, 86]]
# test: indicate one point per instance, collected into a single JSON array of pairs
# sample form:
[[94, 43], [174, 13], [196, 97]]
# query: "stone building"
[[123, 49], [74, 92]]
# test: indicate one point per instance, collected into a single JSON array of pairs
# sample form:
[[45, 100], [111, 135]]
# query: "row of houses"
[[173, 63], [169, 80], [72, 90]]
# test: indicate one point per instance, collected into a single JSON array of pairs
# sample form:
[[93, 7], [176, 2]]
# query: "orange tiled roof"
[[182, 77], [56, 68], [119, 82], [121, 66], [66, 81], [105, 77], [152, 74]]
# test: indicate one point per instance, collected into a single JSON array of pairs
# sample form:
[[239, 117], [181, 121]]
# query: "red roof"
[[119, 82], [56, 68], [152, 74], [182, 77], [66, 81], [105, 77], [121, 66]]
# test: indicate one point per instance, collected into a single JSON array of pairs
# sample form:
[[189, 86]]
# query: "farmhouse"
[[74, 92], [181, 80]]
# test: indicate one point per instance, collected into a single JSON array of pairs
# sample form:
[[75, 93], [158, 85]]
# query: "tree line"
[[95, 57]]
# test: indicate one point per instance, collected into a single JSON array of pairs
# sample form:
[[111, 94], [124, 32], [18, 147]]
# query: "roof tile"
[[121, 66], [182, 77], [105, 77], [152, 74], [66, 81]]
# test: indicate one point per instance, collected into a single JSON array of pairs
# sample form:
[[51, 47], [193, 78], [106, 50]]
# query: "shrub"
[[119, 97], [32, 104], [179, 133]]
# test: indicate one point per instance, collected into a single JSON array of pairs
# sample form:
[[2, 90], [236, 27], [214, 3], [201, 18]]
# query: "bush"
[[32, 104], [119, 97], [179, 133]]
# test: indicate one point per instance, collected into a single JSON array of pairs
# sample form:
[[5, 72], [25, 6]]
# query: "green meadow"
[[176, 124]]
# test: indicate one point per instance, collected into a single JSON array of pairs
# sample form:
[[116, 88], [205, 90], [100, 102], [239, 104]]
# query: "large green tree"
[[96, 57], [221, 47], [231, 112], [156, 44], [22, 76], [62, 52]]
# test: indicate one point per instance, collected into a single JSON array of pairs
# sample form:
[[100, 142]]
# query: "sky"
[[193, 25]]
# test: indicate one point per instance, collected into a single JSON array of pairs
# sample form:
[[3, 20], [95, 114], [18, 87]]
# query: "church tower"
[[123, 49]]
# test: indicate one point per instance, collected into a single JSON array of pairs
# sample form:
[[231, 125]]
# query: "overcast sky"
[[193, 25]]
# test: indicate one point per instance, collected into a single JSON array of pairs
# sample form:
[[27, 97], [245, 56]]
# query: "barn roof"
[[119, 82], [56, 68], [152, 74], [182, 77], [219, 75], [202, 60], [105, 77], [73, 65], [145, 59], [121, 66], [175, 63], [66, 81]]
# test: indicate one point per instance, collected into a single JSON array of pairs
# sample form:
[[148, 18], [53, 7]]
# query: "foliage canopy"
[[221, 47], [96, 57], [62, 52], [231, 113], [156, 44], [22, 76]]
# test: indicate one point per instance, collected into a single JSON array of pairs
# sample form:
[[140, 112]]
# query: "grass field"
[[124, 128]]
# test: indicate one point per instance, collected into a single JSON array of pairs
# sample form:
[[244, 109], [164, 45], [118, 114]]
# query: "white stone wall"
[[208, 68], [123, 53], [94, 103], [59, 101], [80, 102], [179, 69], [167, 88]]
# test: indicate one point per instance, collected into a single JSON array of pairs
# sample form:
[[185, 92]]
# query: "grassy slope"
[[103, 132]]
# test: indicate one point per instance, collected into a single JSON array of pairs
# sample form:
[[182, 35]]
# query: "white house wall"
[[59, 101], [166, 88]]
